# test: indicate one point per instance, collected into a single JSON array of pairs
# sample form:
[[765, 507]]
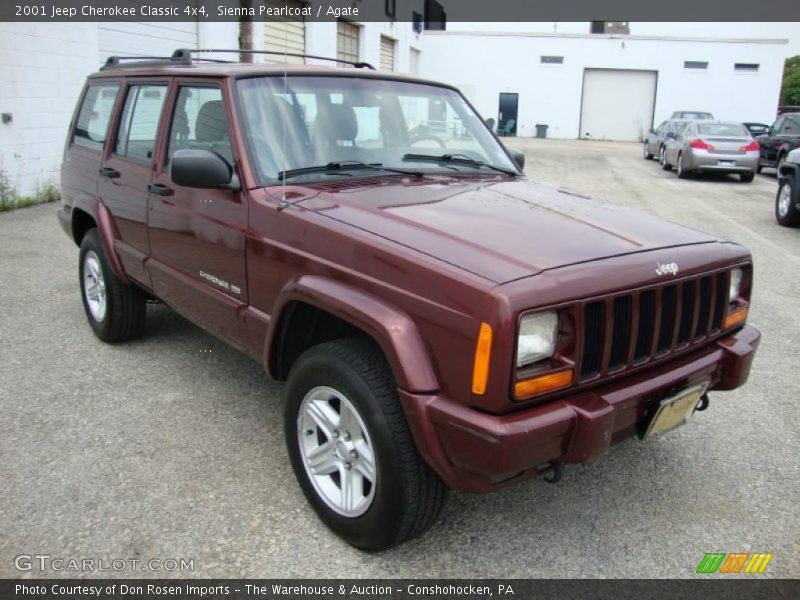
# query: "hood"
[[496, 228]]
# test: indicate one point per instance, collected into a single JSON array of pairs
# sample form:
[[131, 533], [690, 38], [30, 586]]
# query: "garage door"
[[285, 36], [387, 53], [145, 39], [617, 104]]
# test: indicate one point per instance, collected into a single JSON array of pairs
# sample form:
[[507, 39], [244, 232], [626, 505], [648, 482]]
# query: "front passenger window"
[[199, 122]]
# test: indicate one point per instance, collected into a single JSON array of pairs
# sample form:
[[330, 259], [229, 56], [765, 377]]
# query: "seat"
[[335, 132], [211, 129]]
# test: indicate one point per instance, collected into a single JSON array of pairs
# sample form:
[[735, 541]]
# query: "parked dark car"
[[787, 200], [440, 320], [692, 115], [756, 129], [782, 138], [656, 138]]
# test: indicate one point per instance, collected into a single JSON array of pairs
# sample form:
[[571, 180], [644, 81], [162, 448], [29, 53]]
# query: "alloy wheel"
[[784, 200], [94, 286], [337, 451]]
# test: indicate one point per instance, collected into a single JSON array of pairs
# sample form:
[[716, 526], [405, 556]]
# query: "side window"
[[684, 131], [93, 118], [199, 122], [662, 127], [138, 128], [791, 127]]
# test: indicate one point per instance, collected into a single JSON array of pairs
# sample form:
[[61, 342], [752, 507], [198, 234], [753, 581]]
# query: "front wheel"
[[114, 310], [646, 153], [786, 211], [351, 449], [662, 158]]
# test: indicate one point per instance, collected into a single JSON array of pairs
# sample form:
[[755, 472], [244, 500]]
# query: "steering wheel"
[[427, 136]]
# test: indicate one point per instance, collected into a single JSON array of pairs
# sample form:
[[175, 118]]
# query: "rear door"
[[127, 170], [197, 236]]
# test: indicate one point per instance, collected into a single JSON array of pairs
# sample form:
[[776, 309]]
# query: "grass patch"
[[10, 199]]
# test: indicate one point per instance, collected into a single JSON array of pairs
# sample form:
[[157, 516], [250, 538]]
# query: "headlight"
[[736, 284], [537, 337]]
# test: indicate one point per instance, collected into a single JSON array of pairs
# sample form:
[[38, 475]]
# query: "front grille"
[[628, 329]]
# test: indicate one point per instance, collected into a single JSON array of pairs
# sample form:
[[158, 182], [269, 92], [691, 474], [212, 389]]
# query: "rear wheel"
[[662, 158], [114, 310], [351, 448], [747, 177], [786, 211], [682, 173]]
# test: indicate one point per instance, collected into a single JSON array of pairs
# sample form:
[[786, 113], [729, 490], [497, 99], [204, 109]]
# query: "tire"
[[786, 212], [663, 160], [780, 162], [333, 389], [747, 177], [114, 310], [682, 173], [647, 155], [759, 168]]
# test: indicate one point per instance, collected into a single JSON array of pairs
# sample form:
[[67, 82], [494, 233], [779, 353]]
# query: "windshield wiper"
[[459, 159], [336, 168]]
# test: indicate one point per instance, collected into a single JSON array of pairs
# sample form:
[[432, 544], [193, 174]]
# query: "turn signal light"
[[483, 353], [542, 384], [700, 144], [751, 147], [735, 318]]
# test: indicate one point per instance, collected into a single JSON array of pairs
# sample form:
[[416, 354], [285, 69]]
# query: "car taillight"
[[700, 145], [750, 147]]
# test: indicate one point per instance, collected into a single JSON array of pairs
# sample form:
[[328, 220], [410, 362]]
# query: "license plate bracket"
[[673, 411], [726, 163]]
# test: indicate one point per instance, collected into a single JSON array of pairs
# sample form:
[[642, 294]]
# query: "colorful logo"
[[736, 562]]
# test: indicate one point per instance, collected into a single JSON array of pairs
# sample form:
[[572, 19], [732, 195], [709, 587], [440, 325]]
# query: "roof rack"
[[182, 57], [356, 64]]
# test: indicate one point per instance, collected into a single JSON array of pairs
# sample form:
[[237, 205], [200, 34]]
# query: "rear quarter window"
[[94, 116]]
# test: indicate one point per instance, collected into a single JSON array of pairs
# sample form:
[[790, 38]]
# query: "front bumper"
[[479, 452]]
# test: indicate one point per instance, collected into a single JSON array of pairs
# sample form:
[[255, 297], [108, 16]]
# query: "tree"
[[790, 90]]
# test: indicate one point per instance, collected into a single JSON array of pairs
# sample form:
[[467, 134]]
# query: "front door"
[[197, 236], [507, 117]]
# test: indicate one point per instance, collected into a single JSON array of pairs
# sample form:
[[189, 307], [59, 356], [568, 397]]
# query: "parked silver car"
[[705, 146], [654, 142], [693, 115]]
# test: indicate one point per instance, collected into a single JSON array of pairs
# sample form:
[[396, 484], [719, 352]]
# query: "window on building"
[[93, 118], [750, 67], [347, 41], [619, 27], [199, 122], [139, 125], [695, 64], [435, 17], [287, 35], [391, 8], [387, 53], [416, 22], [552, 60]]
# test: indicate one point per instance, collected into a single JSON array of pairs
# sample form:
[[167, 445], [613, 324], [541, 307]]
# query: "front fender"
[[392, 329]]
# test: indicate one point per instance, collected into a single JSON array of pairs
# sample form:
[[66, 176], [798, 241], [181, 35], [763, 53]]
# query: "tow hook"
[[703, 404], [553, 472]]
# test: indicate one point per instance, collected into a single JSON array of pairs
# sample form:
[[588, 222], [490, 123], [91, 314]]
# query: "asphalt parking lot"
[[172, 446]]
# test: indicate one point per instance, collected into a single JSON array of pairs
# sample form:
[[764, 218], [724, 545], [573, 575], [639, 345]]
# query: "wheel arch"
[[313, 309], [84, 219]]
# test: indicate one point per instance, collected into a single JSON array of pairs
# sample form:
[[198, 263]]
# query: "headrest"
[[210, 125], [336, 122]]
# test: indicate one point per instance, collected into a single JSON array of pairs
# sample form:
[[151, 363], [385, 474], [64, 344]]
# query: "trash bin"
[[541, 130]]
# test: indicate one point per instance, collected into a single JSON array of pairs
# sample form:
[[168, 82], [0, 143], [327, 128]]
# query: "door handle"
[[109, 172], [160, 190]]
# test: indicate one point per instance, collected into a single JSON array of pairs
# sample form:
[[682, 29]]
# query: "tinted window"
[[791, 127], [139, 125], [776, 126], [93, 118], [199, 122], [724, 129]]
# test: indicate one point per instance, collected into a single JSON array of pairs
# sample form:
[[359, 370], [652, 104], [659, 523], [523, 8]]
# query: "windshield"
[[724, 129], [304, 122]]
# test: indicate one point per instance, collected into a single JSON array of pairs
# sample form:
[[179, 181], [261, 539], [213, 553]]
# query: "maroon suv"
[[440, 320]]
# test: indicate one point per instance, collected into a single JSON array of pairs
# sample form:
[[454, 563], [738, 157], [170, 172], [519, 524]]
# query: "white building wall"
[[486, 64]]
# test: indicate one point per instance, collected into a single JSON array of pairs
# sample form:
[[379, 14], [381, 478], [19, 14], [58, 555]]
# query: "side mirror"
[[202, 169], [519, 157], [671, 135]]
